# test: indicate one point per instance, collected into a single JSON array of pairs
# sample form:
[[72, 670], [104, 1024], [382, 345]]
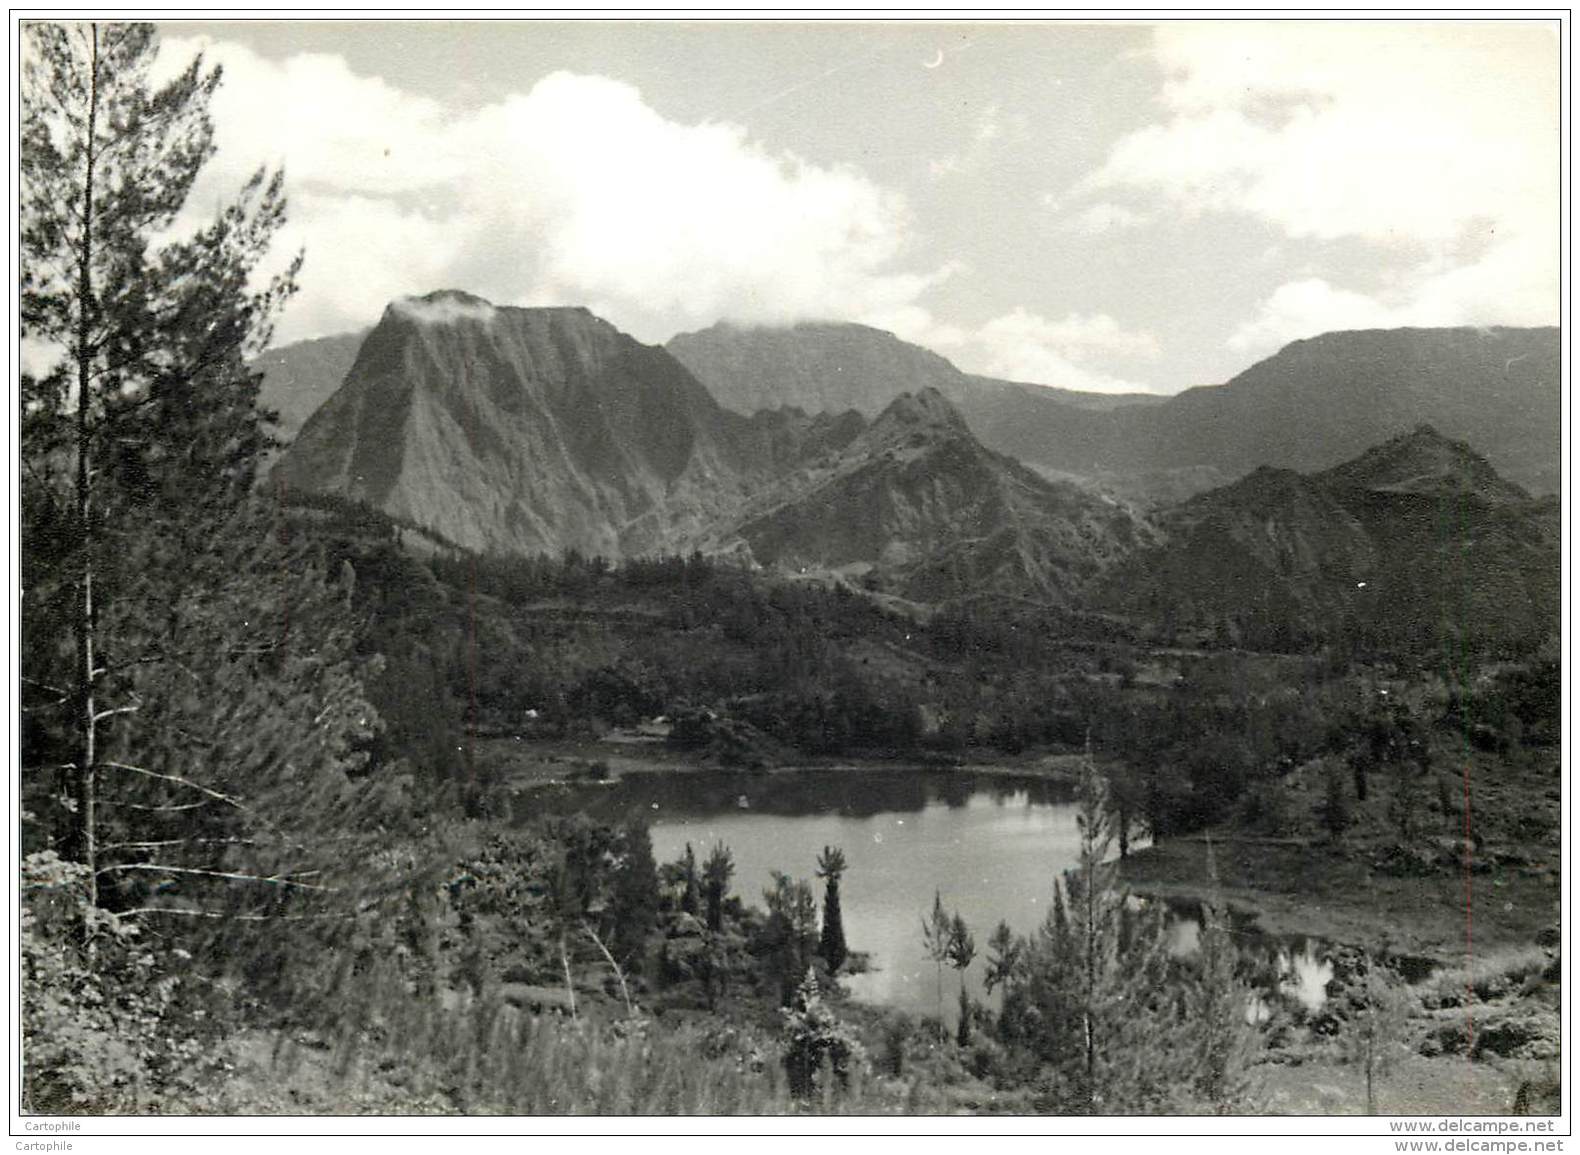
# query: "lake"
[[990, 845]]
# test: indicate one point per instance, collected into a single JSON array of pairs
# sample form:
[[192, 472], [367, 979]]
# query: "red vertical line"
[[471, 671], [283, 536], [1465, 681], [1470, 978], [471, 639]]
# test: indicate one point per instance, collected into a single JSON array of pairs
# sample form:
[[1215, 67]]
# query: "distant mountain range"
[[1417, 540], [1313, 404], [533, 430], [298, 378], [521, 431], [823, 365]]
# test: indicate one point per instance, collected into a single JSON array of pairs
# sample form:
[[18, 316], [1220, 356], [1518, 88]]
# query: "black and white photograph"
[[951, 573]]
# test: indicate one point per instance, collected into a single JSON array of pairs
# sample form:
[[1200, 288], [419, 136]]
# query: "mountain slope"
[[522, 431], [836, 366], [1321, 401], [1312, 405], [918, 502], [298, 378], [1416, 543]]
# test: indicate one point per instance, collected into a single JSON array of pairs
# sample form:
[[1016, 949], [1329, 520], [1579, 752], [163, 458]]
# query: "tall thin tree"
[[194, 726], [936, 928], [831, 868], [962, 951], [1218, 1006], [717, 870]]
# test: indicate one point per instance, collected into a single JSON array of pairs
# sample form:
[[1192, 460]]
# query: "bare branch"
[[65, 695], [190, 913], [157, 868], [618, 973], [155, 845], [153, 809], [211, 793], [215, 794]]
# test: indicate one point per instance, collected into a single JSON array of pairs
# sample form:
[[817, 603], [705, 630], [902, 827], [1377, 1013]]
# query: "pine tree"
[[1218, 1002], [1003, 960], [791, 931], [936, 929], [1091, 998], [690, 894], [208, 721], [1334, 809], [1375, 1011], [830, 868], [716, 874], [815, 1040], [635, 904], [961, 951]]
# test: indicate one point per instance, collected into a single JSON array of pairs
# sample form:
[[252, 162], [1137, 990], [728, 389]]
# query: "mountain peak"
[[1423, 461], [442, 307], [925, 407]]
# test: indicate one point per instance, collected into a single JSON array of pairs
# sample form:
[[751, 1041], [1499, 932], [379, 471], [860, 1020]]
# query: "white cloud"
[[574, 192], [1497, 289], [1078, 334], [1382, 131], [1436, 143], [329, 127], [444, 311], [1306, 308], [362, 252], [694, 222], [1024, 346]]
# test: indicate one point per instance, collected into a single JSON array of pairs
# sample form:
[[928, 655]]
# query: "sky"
[[1107, 206]]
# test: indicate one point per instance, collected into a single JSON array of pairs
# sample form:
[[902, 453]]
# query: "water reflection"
[[990, 845], [669, 798], [1292, 967]]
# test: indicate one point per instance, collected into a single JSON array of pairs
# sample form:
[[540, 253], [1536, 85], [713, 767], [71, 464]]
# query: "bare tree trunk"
[[1371, 1097], [565, 964], [625, 992], [941, 1030], [87, 717], [1091, 991]]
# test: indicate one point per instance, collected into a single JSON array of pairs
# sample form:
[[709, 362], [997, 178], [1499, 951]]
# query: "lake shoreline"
[[527, 763], [1286, 887]]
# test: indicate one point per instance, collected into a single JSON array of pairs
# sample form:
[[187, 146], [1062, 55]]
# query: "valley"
[[784, 567], [600, 608]]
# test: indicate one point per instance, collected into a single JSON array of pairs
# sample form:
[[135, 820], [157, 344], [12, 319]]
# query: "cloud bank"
[[574, 192], [1407, 137]]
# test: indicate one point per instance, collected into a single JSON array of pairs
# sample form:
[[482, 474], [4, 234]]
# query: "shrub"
[[816, 1040]]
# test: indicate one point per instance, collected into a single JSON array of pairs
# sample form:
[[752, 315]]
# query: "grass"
[[1504, 971], [491, 1059]]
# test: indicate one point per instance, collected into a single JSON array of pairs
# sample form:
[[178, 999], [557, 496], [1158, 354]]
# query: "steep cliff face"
[[524, 431], [521, 431]]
